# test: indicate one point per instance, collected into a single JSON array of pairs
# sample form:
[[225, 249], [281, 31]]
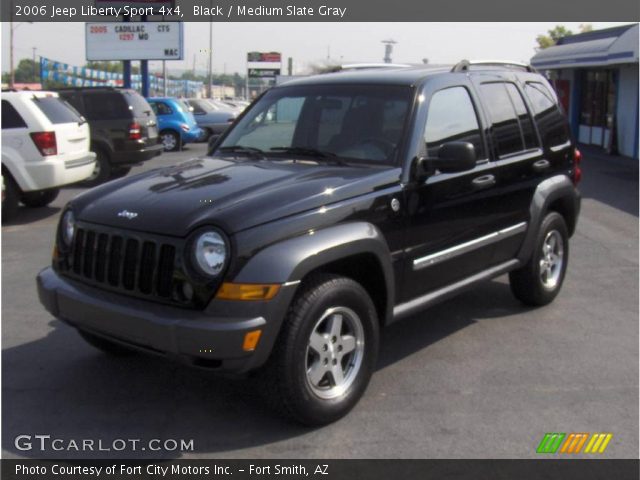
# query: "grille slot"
[[136, 265]]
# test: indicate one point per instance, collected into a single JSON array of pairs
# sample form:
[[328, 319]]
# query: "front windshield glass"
[[353, 122]]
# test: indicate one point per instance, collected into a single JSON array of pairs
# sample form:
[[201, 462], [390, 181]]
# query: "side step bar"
[[403, 310]]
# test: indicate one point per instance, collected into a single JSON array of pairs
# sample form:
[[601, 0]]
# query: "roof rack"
[[464, 65]]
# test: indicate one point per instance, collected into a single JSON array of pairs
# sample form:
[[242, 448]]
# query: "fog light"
[[251, 340]]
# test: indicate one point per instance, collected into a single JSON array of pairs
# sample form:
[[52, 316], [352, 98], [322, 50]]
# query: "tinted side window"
[[57, 110], [452, 117], [526, 124], [548, 117], [106, 106], [505, 128], [10, 117]]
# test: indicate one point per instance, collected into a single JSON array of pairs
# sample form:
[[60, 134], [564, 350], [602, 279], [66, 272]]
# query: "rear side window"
[[10, 117], [161, 108], [106, 106], [452, 117], [57, 110], [550, 120], [511, 124]]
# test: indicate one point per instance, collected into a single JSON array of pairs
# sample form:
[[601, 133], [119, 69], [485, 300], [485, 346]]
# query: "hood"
[[231, 194]]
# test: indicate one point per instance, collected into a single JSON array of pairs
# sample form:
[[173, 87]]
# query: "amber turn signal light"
[[251, 340], [247, 291]]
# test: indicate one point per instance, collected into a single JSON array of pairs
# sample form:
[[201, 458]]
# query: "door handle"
[[485, 181], [541, 165]]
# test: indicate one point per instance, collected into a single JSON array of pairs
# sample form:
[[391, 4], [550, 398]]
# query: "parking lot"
[[479, 376]]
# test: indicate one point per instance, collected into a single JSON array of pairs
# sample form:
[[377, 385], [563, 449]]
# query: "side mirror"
[[452, 157]]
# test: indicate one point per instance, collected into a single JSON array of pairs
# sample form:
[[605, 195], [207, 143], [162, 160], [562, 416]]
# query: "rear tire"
[[170, 140], [11, 199], [540, 280], [106, 346], [102, 171], [326, 351], [40, 198]]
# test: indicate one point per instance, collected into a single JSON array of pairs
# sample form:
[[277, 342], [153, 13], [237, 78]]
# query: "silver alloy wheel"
[[169, 141], [334, 352], [551, 259]]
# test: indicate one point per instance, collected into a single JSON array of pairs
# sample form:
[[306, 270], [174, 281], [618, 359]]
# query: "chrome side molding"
[[441, 256]]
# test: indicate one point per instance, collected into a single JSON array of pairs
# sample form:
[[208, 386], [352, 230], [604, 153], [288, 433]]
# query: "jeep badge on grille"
[[127, 214]]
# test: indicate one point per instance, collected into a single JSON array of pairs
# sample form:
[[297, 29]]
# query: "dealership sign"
[[134, 41], [269, 57], [264, 72]]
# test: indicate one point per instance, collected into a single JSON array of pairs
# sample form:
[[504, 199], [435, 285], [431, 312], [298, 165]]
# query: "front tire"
[[40, 198], [540, 280], [326, 352]]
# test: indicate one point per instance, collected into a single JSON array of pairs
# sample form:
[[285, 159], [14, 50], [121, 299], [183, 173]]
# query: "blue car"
[[176, 124]]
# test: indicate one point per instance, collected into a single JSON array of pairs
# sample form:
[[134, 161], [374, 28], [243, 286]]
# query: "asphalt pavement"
[[480, 376]]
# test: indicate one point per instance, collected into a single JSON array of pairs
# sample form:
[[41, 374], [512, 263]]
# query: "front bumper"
[[212, 338]]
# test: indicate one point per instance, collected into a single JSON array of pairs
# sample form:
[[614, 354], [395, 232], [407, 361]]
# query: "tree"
[[26, 72], [553, 35], [556, 33]]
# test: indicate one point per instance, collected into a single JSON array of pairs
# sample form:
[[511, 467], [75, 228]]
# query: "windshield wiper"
[[311, 152], [254, 152]]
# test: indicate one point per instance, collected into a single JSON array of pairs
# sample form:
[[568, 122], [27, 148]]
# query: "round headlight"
[[68, 228], [210, 252]]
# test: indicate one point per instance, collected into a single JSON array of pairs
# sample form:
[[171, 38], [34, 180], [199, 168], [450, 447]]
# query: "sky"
[[307, 43]]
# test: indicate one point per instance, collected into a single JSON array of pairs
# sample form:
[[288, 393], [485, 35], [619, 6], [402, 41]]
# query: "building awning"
[[591, 50]]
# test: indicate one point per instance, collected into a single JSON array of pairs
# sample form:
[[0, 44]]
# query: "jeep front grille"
[[129, 263]]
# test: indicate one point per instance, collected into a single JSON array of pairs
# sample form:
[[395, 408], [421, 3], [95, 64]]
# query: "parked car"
[[336, 205], [212, 118], [177, 125], [45, 145], [124, 130]]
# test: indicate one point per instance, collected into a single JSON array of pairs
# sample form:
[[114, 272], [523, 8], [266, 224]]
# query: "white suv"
[[45, 144]]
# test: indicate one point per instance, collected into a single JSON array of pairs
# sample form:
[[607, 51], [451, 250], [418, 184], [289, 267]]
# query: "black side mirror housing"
[[452, 157]]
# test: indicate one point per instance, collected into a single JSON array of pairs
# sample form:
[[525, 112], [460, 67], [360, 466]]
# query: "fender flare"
[[547, 192], [291, 260]]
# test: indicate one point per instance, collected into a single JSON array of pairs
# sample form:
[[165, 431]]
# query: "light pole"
[[210, 82], [35, 70], [12, 28]]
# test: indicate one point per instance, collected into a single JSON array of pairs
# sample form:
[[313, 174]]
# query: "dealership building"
[[596, 76]]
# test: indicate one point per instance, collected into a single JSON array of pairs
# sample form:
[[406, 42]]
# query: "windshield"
[[352, 122]]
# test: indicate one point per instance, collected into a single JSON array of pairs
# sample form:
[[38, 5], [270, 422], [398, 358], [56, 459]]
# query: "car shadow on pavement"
[[27, 215], [60, 386]]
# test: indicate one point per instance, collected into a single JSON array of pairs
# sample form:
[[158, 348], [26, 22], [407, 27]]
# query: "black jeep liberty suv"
[[335, 205]]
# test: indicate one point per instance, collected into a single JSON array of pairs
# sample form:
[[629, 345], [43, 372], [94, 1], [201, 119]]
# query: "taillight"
[[45, 142], [577, 171], [135, 133], [184, 127]]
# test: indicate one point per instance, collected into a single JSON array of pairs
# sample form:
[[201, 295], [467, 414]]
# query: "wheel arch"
[[355, 250], [557, 194]]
